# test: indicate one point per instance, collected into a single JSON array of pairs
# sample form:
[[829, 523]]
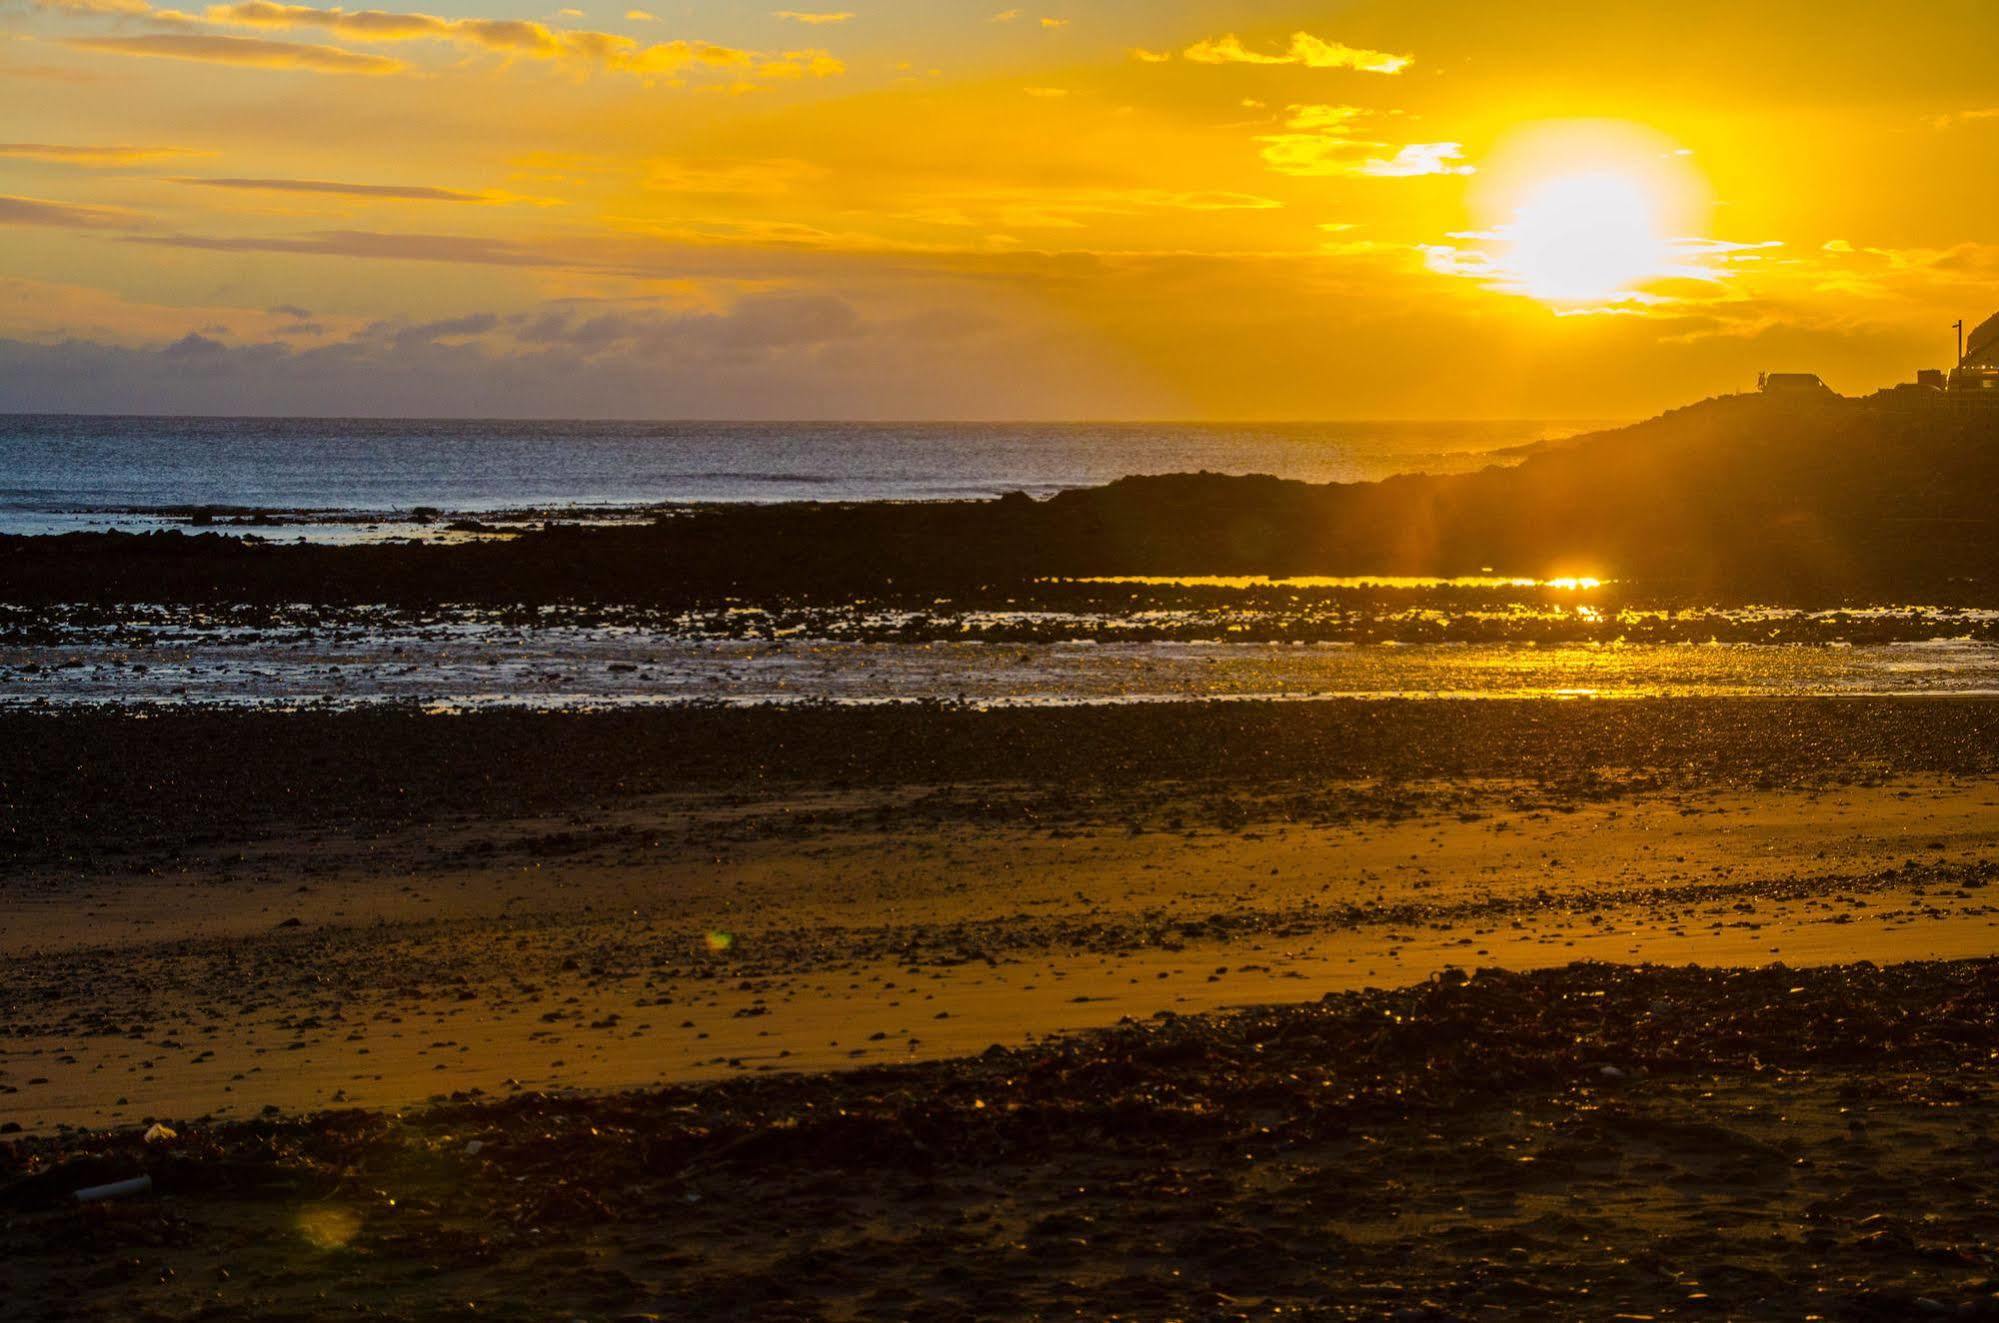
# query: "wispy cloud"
[[107, 8], [51, 73], [368, 244], [409, 193], [730, 176], [1321, 141], [1072, 209], [1305, 49], [1418, 158], [65, 215], [248, 52], [91, 155], [1957, 117], [802, 16], [512, 38]]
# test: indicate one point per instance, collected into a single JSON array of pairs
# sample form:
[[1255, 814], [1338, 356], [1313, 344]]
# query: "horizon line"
[[775, 421]]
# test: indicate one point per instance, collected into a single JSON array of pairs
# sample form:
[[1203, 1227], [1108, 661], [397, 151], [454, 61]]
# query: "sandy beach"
[[331, 931], [923, 663], [1590, 1142]]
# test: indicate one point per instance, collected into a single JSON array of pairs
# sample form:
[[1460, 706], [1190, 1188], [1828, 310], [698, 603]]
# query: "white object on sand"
[[115, 1190]]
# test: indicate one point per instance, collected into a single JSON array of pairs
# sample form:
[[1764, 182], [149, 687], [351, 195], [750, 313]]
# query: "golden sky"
[[936, 209]]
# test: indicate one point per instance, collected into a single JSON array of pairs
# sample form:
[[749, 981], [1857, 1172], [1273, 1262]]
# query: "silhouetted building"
[[1978, 371], [1975, 379], [1981, 347]]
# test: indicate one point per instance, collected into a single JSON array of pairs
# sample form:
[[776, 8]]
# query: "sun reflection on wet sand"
[[1567, 584]]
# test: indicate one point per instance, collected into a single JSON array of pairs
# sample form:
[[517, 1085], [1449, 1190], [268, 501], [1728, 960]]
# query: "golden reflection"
[[328, 1228], [1567, 584]]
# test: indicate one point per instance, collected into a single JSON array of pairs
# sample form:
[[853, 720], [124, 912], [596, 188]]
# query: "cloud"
[[411, 193], [1704, 284], [371, 244], [1314, 53], [105, 8], [1005, 16], [1230, 50], [802, 64], [1144, 56], [765, 354], [247, 52], [65, 215], [366, 25], [761, 323], [514, 38], [1418, 158], [53, 311], [450, 328], [798, 16], [53, 73], [1072, 209], [1321, 143], [730, 176], [1053, 23], [1305, 49], [92, 156], [640, 16], [1955, 118], [1208, 201]]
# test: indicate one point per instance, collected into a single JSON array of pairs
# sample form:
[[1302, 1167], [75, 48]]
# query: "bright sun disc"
[[1585, 238]]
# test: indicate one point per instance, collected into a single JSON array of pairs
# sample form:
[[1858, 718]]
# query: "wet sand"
[[1590, 1143], [211, 915], [486, 924], [392, 977]]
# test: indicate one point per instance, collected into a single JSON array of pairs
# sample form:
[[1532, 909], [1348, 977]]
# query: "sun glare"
[[1586, 238]]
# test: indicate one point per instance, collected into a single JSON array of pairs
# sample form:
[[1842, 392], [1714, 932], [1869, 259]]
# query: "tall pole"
[[1960, 341]]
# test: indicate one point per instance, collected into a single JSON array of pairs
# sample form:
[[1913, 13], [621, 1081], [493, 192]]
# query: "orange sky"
[[929, 209]]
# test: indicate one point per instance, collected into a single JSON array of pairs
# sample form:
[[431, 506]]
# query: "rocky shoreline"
[[1730, 497]]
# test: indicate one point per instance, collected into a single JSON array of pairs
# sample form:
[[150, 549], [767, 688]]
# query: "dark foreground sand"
[[1594, 1142], [947, 1004]]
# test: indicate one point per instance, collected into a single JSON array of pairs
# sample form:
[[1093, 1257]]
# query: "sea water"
[[347, 479]]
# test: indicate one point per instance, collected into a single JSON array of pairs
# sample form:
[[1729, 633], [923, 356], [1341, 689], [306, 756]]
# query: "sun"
[[1586, 238]]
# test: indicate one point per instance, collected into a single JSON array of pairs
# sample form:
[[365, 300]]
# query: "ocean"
[[360, 479]]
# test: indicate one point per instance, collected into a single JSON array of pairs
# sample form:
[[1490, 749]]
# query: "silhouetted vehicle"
[[1793, 385]]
